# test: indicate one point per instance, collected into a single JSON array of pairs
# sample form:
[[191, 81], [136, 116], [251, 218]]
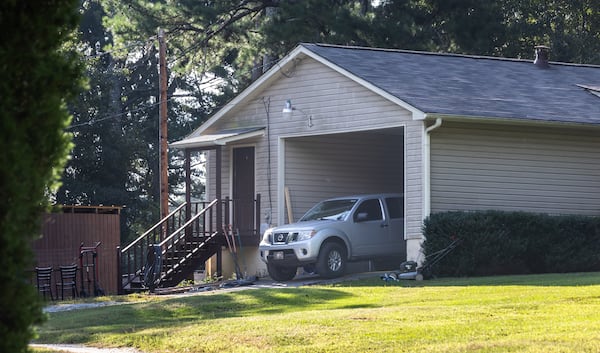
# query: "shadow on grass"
[[82, 326], [79, 326]]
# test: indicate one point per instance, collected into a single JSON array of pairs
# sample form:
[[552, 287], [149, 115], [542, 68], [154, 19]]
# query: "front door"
[[243, 190]]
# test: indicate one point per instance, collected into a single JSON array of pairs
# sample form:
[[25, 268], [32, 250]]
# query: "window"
[[371, 209], [333, 209], [395, 206]]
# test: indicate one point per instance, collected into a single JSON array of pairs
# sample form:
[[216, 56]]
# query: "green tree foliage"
[[38, 74], [203, 36], [235, 40], [115, 127], [231, 39], [511, 28], [292, 22], [106, 129], [401, 24]]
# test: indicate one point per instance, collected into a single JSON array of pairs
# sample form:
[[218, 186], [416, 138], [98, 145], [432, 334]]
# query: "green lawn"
[[541, 313]]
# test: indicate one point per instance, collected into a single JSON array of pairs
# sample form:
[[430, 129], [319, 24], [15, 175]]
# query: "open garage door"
[[322, 166]]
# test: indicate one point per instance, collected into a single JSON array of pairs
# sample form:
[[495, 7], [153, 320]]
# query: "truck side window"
[[371, 208], [395, 206]]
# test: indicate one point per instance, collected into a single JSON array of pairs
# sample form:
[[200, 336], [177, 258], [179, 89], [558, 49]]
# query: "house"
[[450, 132]]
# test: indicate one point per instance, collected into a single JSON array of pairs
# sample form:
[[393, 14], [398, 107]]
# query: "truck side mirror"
[[361, 217]]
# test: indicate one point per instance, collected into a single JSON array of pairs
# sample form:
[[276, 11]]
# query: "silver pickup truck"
[[335, 231]]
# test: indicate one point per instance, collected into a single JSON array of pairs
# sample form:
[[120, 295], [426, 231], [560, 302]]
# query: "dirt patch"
[[76, 306]]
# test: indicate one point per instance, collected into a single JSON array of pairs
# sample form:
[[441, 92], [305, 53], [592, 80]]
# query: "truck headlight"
[[306, 234], [267, 236]]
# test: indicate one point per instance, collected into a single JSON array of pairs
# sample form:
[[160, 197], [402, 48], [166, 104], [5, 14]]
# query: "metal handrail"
[[160, 223], [187, 224]]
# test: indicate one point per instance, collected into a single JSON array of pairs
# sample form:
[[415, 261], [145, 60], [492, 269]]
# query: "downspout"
[[427, 167]]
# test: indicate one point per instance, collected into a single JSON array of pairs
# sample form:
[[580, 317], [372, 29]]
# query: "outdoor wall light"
[[287, 108]]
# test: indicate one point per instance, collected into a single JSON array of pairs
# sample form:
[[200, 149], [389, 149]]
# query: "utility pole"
[[164, 158]]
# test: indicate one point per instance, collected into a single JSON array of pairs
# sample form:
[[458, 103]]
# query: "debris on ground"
[[248, 281], [76, 348]]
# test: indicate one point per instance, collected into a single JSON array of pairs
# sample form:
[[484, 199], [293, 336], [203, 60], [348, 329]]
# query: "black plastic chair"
[[44, 281], [68, 280]]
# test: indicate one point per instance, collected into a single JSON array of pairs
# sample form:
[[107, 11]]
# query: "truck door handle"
[[384, 224]]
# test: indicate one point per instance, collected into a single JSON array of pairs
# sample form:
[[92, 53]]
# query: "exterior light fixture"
[[287, 108]]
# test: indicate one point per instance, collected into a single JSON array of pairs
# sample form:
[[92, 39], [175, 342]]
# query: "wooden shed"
[[93, 229]]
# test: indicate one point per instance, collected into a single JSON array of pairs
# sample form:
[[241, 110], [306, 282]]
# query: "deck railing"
[[131, 259], [179, 247], [180, 239]]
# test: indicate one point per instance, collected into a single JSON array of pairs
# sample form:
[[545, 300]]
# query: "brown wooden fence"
[[63, 234]]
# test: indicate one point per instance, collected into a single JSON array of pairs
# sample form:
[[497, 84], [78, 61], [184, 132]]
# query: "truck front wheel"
[[332, 260], [281, 273]]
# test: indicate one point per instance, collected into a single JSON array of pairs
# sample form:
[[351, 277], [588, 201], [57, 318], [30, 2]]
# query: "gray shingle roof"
[[473, 86]]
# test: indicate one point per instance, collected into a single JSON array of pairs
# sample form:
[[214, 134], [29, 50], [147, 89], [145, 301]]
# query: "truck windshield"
[[332, 209]]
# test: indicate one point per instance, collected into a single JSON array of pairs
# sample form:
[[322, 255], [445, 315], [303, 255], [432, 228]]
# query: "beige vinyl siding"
[[552, 170], [413, 194], [336, 105]]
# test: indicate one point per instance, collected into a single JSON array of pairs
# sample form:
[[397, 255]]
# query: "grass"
[[538, 313]]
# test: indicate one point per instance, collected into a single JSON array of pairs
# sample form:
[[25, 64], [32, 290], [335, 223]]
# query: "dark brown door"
[[243, 190]]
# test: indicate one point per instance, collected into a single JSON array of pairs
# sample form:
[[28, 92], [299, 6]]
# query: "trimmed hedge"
[[39, 75], [497, 242]]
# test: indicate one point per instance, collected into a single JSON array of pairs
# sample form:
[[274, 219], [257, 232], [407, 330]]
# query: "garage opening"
[[324, 166], [367, 162]]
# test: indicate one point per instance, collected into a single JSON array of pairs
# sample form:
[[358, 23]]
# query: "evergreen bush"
[[497, 242], [38, 75]]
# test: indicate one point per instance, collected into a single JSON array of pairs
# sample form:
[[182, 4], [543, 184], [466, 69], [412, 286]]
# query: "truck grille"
[[284, 238]]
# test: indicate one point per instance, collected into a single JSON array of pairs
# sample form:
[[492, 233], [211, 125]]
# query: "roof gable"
[[280, 70], [474, 86]]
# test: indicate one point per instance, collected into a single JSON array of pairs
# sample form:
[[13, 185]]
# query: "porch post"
[[188, 185], [218, 196], [119, 273], [257, 217], [218, 181]]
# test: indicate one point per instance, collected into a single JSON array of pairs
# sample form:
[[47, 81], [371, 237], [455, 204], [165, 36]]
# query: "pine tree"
[[115, 127]]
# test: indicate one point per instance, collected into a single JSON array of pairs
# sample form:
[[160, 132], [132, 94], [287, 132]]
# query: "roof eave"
[[190, 143], [505, 120]]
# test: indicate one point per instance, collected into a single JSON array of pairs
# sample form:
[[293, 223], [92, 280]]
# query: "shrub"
[[496, 242], [37, 77]]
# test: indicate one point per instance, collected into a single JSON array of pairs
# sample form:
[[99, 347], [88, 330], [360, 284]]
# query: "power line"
[[113, 116], [138, 45], [100, 53]]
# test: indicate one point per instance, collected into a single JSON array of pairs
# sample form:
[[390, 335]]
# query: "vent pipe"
[[542, 53]]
